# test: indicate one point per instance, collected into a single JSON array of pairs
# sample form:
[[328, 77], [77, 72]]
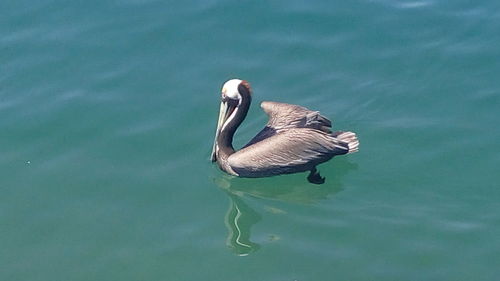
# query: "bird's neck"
[[225, 138]]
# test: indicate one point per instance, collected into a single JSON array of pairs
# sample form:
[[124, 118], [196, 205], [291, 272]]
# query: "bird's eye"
[[234, 95]]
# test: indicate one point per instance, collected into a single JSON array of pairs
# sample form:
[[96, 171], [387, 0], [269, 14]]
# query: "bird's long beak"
[[223, 115]]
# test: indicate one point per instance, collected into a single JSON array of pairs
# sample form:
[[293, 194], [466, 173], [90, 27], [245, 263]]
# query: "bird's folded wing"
[[284, 116], [287, 151]]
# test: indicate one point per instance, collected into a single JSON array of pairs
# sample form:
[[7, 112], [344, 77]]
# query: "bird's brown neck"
[[225, 138]]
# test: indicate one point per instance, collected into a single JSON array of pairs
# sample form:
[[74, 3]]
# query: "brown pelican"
[[294, 140]]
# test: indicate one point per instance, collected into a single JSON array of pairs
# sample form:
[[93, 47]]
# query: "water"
[[108, 110]]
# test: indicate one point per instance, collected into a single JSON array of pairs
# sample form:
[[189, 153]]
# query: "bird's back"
[[289, 151]]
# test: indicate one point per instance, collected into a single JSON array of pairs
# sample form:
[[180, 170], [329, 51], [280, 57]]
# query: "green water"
[[108, 111]]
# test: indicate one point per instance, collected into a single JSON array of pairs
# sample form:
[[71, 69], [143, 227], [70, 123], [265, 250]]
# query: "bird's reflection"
[[240, 217], [239, 220]]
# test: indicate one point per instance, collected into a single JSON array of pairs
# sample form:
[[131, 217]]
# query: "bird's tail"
[[350, 139]]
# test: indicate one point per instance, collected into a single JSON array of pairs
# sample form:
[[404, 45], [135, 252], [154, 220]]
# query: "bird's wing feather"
[[285, 116], [292, 150]]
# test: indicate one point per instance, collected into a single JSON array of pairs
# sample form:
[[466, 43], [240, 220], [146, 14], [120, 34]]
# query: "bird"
[[295, 139]]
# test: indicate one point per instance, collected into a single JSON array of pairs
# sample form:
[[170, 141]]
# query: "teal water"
[[107, 116]]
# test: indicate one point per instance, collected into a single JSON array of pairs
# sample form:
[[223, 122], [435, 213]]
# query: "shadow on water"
[[240, 217]]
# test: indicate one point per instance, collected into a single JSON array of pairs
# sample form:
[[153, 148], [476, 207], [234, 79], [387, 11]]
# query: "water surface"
[[108, 110]]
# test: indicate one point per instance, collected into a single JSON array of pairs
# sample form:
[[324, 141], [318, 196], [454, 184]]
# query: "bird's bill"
[[222, 119]]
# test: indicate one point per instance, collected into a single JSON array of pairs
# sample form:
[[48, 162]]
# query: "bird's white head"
[[235, 100], [230, 89]]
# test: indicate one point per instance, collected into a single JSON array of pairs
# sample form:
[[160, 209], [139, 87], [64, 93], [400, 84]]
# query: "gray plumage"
[[295, 139], [283, 116]]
